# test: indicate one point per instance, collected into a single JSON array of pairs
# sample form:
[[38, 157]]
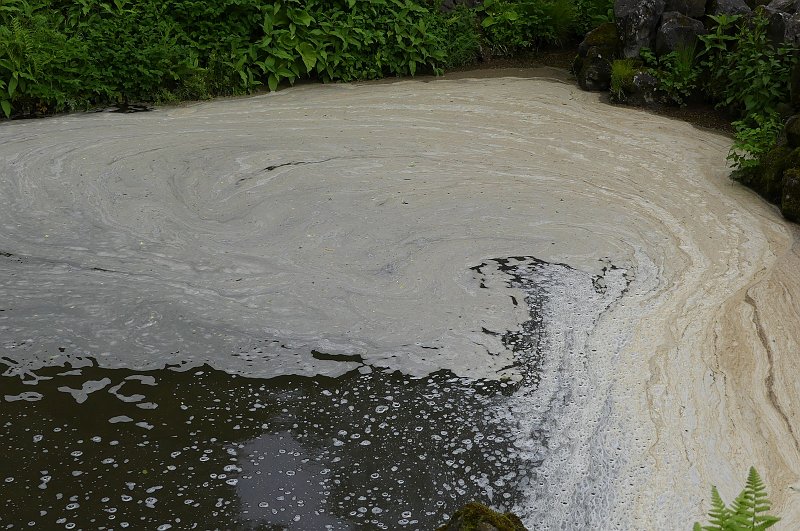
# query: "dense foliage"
[[748, 512], [64, 54], [515, 25], [738, 69]]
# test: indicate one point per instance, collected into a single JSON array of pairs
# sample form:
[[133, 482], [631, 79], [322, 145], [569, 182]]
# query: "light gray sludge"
[[327, 229]]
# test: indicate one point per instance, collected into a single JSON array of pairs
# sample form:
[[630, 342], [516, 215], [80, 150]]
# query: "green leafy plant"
[[61, 54], [753, 139], [714, 54], [592, 13], [460, 36], [677, 72], [511, 26], [757, 77], [747, 75], [749, 511]]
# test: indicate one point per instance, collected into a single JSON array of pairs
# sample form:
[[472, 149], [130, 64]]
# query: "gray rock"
[[784, 6], [637, 22], [644, 90], [676, 31], [783, 27], [690, 8], [729, 7]]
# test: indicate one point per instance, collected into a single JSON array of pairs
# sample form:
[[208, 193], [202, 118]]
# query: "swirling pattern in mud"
[[345, 219]]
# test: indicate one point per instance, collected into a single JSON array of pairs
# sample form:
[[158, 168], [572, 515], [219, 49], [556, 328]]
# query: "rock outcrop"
[[637, 23], [677, 30], [777, 179], [609, 58], [690, 8], [729, 7]]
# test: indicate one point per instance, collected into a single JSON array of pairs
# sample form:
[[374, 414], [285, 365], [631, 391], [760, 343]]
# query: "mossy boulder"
[[790, 196], [604, 36], [767, 179], [592, 66], [475, 516]]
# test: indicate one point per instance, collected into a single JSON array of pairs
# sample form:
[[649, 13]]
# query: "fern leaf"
[[719, 515], [751, 506]]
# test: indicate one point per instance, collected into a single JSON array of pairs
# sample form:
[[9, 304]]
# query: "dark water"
[[203, 449], [86, 447]]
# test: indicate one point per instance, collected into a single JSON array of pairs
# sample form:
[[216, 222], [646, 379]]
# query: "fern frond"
[[719, 515], [751, 506]]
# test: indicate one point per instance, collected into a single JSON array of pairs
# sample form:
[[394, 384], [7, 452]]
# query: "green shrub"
[[714, 55], [511, 26], [754, 138], [752, 77], [40, 67], [461, 38], [677, 72], [592, 13], [747, 75], [57, 54]]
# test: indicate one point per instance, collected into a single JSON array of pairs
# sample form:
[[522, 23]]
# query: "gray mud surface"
[[511, 292]]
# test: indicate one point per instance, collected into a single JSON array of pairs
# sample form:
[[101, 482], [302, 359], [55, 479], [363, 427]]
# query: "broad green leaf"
[[302, 18], [272, 82], [6, 107], [12, 85], [309, 55]]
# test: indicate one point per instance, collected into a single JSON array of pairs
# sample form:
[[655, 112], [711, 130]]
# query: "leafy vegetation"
[[749, 511], [60, 55], [677, 72], [738, 68], [512, 26]]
